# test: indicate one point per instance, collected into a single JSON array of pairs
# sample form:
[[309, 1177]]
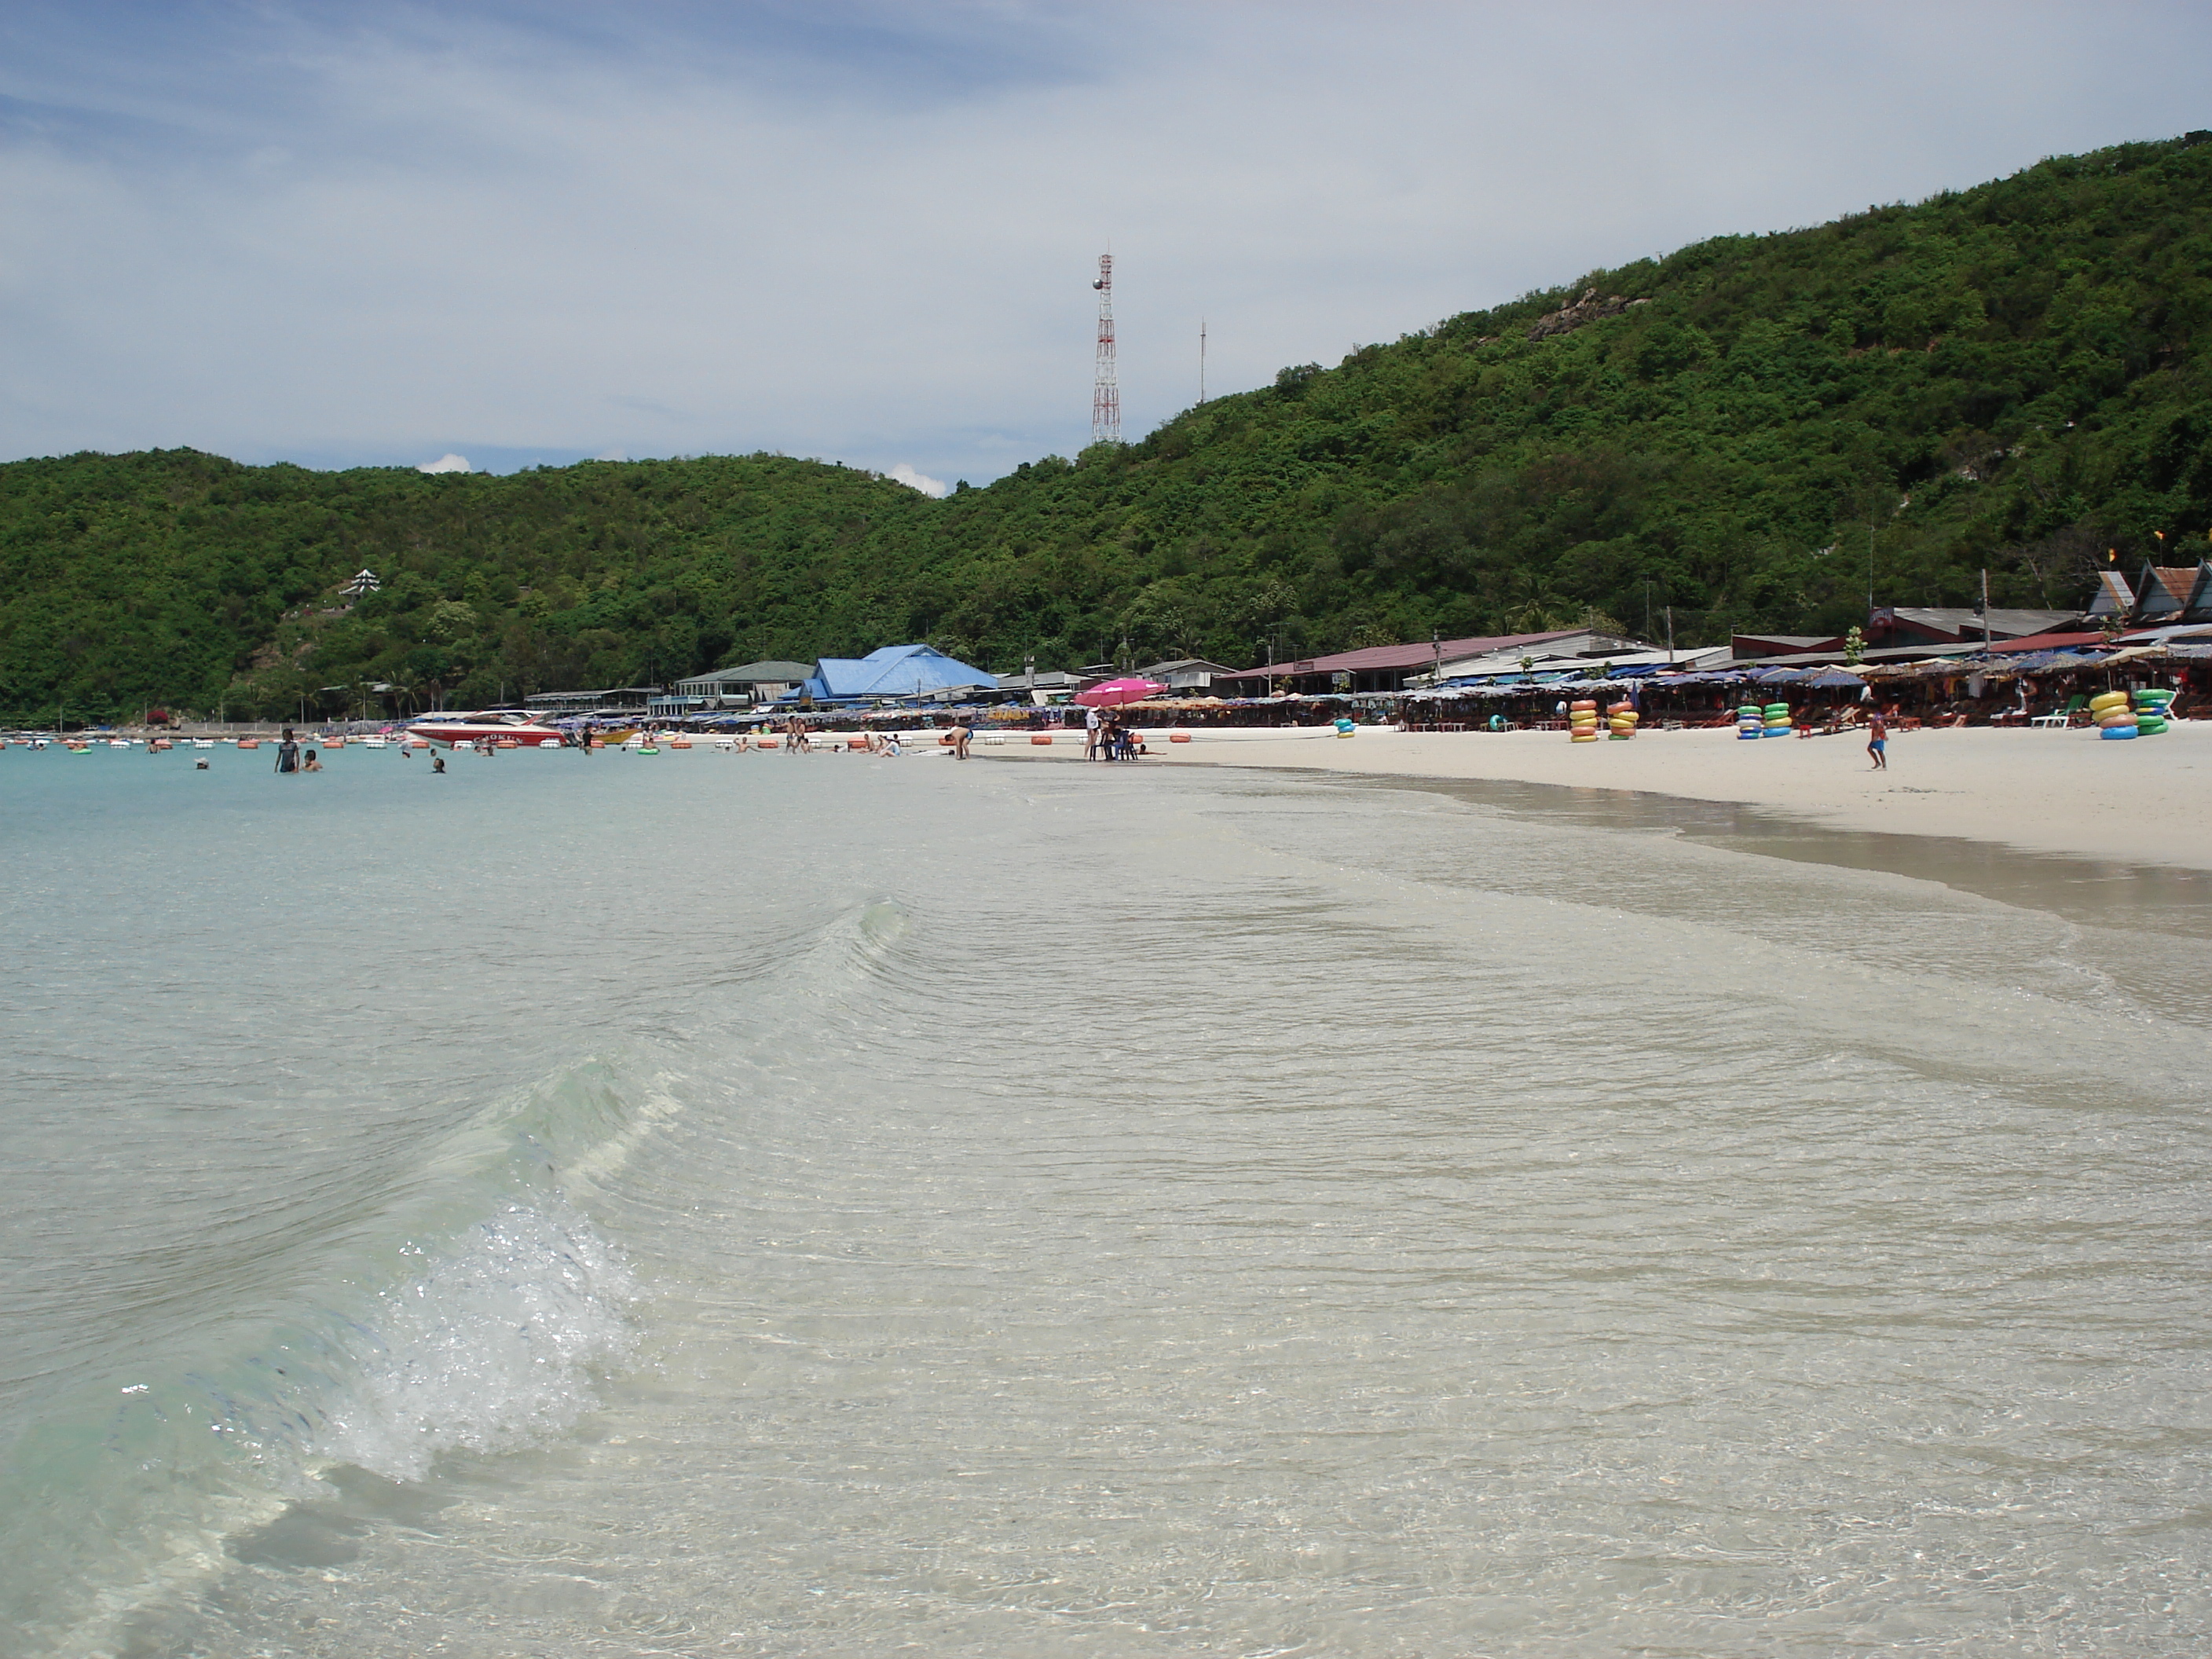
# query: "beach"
[[2148, 801]]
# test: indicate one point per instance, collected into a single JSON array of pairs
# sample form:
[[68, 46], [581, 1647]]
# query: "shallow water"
[[793, 1205]]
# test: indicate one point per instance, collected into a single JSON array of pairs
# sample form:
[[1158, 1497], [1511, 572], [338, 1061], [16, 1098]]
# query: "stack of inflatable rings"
[[2113, 717], [1582, 721], [1778, 720], [1621, 718], [2152, 705], [1750, 721]]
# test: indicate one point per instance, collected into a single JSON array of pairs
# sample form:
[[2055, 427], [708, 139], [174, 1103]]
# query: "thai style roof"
[[893, 670]]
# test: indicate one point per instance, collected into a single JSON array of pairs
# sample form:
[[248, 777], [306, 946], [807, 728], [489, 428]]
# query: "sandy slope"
[[2058, 792]]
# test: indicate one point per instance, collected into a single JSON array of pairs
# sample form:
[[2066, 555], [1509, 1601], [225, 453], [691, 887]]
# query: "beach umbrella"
[[1836, 679], [1112, 693]]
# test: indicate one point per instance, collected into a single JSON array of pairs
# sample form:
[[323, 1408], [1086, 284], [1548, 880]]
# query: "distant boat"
[[494, 724]]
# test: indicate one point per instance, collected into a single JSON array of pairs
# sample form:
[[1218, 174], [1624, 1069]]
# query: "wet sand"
[[2071, 793]]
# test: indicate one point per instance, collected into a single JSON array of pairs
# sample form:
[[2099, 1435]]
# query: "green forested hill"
[[2017, 377]]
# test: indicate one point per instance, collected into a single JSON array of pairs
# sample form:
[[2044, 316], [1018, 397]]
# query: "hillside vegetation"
[[2013, 377]]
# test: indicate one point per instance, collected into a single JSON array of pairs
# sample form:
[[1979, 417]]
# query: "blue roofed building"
[[896, 671]]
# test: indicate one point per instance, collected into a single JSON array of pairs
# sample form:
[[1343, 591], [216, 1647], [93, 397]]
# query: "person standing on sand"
[[1090, 734], [1878, 741], [287, 752]]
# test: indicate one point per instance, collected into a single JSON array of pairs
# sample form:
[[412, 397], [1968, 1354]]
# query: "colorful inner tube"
[[2118, 732], [1582, 737], [2150, 725]]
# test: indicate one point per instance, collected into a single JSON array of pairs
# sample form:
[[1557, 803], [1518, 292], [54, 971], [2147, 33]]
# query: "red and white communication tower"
[[1105, 392]]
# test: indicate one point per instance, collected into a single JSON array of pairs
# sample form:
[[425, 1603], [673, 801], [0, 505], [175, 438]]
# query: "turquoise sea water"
[[818, 1205]]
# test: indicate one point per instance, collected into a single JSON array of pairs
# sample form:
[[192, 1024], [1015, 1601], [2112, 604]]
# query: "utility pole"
[[1986, 613], [1670, 637], [1202, 359], [1105, 389], [1870, 523]]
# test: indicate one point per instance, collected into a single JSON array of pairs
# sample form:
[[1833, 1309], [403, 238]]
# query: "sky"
[[493, 234]]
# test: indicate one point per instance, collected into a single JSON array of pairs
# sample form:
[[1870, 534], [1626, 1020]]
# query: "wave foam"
[[491, 1346]]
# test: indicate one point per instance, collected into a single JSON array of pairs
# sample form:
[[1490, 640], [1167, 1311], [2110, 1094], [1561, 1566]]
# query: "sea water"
[[822, 1205]]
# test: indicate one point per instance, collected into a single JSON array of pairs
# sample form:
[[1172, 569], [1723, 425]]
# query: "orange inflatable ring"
[[1041, 739], [1178, 736]]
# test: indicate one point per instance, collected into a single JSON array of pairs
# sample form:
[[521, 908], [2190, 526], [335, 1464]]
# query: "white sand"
[[2149, 801]]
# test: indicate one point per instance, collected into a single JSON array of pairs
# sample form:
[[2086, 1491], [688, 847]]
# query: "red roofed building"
[[1387, 667]]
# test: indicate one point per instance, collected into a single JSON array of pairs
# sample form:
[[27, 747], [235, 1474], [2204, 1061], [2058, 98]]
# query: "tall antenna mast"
[[1105, 392], [1202, 359]]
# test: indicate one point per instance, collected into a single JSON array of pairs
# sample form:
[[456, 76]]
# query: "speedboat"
[[486, 725]]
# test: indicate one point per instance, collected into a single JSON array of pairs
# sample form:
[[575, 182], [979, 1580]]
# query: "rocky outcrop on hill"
[[1587, 309]]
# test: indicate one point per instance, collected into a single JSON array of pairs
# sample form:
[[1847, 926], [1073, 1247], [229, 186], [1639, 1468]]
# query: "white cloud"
[[913, 480], [446, 462], [362, 238]]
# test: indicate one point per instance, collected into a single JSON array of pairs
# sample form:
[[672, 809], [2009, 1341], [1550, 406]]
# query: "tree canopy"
[[1753, 432]]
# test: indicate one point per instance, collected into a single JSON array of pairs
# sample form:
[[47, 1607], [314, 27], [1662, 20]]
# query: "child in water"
[[437, 764], [310, 763]]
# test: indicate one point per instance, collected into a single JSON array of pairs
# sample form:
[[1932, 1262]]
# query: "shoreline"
[[2066, 793]]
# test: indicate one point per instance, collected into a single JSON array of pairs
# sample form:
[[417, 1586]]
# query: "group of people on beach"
[[1107, 738]]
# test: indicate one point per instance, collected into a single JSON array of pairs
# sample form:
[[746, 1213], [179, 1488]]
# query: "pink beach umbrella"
[[1112, 693]]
